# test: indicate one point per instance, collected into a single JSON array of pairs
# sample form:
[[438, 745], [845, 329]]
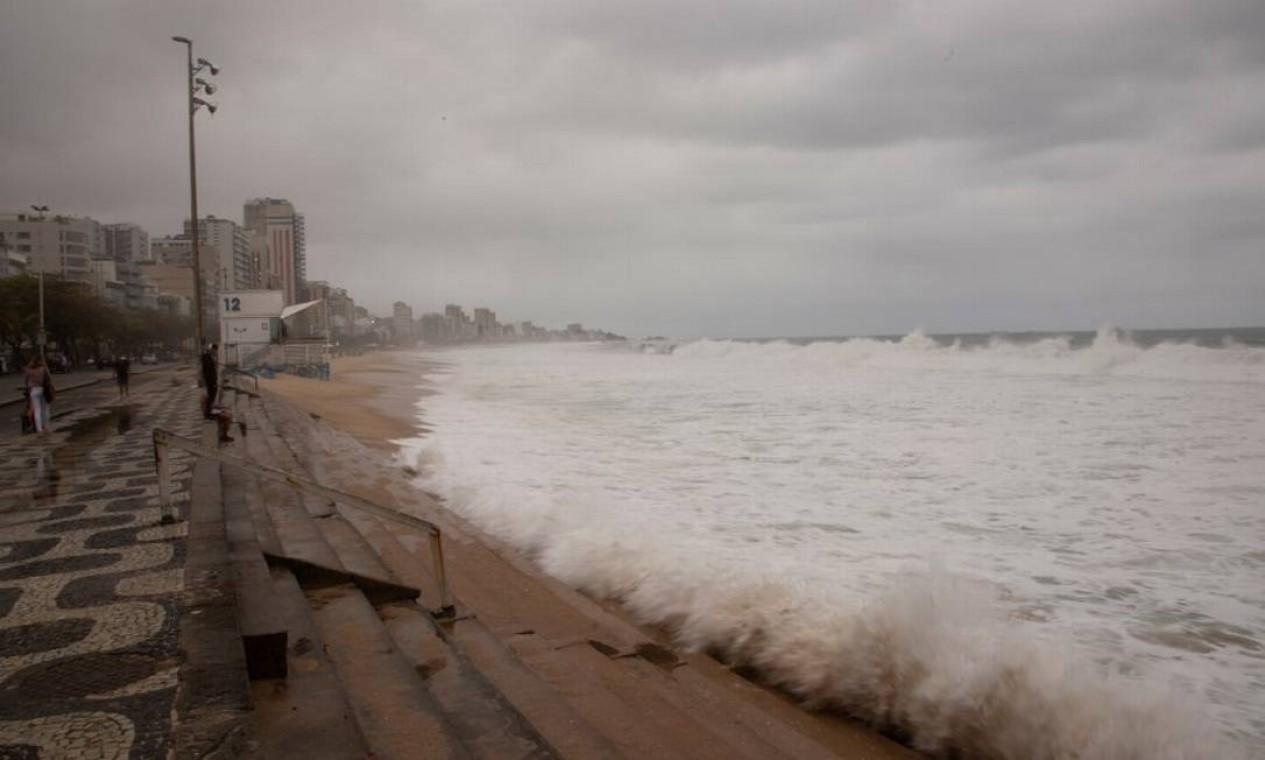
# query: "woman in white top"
[[37, 379]]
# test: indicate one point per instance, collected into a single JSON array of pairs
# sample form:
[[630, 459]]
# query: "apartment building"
[[171, 271], [278, 238], [64, 245], [338, 305], [402, 323], [107, 283], [232, 245], [125, 242]]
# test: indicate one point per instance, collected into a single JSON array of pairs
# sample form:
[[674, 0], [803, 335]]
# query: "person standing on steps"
[[210, 378], [39, 389], [122, 368]]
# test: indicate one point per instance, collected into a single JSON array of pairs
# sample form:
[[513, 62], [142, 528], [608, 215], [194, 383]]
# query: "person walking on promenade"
[[210, 378], [122, 368], [39, 389]]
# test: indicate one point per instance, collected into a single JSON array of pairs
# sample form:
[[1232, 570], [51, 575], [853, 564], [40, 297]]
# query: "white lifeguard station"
[[250, 321], [253, 332]]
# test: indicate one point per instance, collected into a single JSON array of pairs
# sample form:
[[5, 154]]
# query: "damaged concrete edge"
[[213, 711]]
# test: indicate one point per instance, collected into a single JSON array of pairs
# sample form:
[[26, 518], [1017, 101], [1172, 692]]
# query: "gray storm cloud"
[[698, 168]]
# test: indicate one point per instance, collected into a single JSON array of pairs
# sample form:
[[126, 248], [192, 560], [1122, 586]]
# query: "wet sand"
[[372, 397]]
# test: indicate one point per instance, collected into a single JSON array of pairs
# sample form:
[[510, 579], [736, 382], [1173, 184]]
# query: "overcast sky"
[[686, 168]]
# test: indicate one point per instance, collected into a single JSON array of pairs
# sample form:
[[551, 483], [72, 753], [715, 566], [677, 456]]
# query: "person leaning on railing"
[[210, 378]]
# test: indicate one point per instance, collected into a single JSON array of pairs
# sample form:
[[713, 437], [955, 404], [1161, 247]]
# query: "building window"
[[24, 236]]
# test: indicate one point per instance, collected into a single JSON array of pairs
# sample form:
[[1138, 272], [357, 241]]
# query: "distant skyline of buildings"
[[454, 326], [132, 268]]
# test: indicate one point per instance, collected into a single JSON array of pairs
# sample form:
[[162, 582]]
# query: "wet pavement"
[[90, 583]]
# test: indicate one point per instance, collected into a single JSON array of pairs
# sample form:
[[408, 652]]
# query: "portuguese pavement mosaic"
[[90, 584]]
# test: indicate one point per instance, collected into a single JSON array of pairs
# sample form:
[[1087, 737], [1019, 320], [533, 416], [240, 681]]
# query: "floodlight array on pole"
[[41, 337], [198, 86]]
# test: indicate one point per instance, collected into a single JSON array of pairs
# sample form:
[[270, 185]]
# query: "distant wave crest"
[[1111, 352]]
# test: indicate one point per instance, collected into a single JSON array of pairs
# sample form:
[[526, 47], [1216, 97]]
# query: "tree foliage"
[[79, 323]]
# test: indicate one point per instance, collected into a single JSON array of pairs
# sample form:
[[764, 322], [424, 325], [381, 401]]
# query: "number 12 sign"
[[252, 303]]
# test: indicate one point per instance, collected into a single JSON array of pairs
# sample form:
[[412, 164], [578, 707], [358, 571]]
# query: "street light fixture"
[[41, 337], [196, 84]]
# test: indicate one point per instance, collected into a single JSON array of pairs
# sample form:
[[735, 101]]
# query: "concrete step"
[[781, 721], [480, 715], [294, 532], [307, 715], [353, 552], [343, 674], [213, 703], [482, 718], [624, 700], [396, 714], [567, 731], [263, 629], [612, 673], [404, 552], [659, 689], [265, 533], [240, 407], [694, 683]]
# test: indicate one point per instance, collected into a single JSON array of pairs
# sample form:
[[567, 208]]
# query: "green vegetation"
[[79, 323]]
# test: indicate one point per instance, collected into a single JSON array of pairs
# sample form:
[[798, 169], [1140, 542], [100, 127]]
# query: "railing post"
[[163, 465], [441, 576]]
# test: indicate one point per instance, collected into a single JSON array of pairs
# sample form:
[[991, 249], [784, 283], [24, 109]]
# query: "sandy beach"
[[372, 397]]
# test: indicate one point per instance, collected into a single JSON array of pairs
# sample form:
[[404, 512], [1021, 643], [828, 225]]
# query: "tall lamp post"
[[41, 338], [196, 85]]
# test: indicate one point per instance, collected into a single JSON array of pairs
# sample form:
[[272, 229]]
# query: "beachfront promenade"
[[90, 583], [266, 623]]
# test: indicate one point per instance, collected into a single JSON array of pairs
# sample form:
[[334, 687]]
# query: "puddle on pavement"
[[122, 419], [47, 478], [81, 438], [93, 430]]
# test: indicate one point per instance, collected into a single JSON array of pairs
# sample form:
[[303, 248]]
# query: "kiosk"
[[250, 321]]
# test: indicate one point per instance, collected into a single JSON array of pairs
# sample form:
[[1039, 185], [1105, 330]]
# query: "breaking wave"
[[676, 480], [1111, 352], [930, 657]]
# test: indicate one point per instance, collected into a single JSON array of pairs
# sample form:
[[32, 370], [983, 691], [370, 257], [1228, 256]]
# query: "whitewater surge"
[[1009, 551], [1111, 353]]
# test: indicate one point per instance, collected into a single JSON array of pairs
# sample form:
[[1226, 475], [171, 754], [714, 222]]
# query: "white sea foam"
[[1111, 353], [1013, 550]]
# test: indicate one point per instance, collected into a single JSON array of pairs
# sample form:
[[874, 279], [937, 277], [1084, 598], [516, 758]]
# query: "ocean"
[[1028, 545]]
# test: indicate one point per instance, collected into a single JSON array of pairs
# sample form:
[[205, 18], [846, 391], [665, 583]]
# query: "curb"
[[21, 400], [213, 714], [76, 386]]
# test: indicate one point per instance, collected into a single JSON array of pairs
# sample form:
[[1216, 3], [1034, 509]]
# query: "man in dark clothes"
[[210, 378], [122, 370]]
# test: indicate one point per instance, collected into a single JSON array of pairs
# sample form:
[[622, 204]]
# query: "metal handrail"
[[239, 371], [164, 438]]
